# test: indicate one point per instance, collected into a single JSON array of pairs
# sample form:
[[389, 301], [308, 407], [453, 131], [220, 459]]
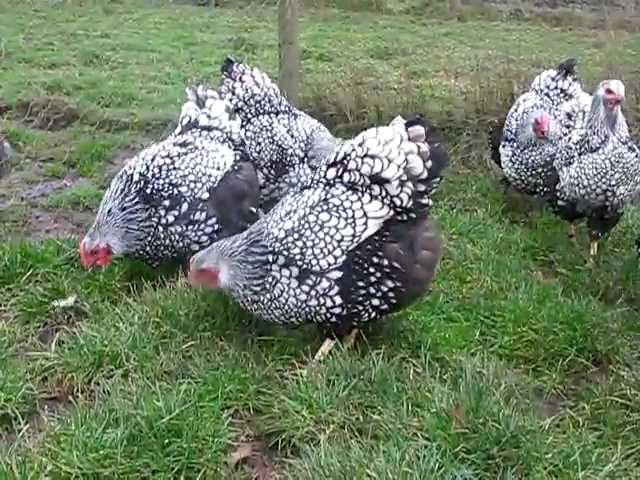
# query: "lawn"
[[523, 361]]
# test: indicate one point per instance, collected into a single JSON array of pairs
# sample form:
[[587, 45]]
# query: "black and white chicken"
[[178, 196], [599, 170], [524, 147], [355, 242], [284, 143]]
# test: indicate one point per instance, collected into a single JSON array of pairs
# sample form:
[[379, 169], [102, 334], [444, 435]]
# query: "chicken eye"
[[608, 91]]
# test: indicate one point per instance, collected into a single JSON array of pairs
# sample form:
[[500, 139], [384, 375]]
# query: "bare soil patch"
[[50, 406], [47, 113], [44, 224], [29, 189]]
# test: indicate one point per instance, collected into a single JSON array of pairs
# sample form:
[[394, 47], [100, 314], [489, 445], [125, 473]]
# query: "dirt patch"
[[47, 113], [49, 407], [45, 189], [253, 455], [30, 184], [44, 224], [25, 191], [65, 314], [549, 405], [599, 374]]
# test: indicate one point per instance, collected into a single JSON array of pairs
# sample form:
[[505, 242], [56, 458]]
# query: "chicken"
[[179, 195], [354, 243], [285, 144], [524, 146], [599, 170]]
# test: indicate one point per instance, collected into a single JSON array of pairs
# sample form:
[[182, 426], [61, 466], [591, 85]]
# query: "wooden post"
[[455, 6], [289, 49]]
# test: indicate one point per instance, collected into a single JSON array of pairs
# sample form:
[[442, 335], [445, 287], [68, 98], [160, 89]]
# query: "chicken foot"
[[330, 342]]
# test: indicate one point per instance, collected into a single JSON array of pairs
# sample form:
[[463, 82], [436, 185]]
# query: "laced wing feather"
[[317, 228], [189, 169], [367, 181], [380, 159]]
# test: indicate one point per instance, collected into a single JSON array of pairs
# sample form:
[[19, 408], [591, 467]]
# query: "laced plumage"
[[284, 143], [353, 243], [599, 170], [179, 195], [554, 107]]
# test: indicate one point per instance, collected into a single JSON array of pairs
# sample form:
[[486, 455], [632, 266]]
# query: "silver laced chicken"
[[354, 243], [599, 170], [285, 144], [524, 147], [178, 196]]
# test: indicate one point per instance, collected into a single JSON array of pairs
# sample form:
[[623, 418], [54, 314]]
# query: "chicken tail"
[[250, 91], [415, 249], [205, 110], [432, 150], [495, 138], [391, 167], [560, 84]]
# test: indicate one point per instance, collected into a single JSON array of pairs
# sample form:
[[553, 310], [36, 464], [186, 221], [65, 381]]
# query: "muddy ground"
[[26, 187]]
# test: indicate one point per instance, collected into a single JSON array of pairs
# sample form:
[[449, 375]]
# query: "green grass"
[[84, 195], [521, 363]]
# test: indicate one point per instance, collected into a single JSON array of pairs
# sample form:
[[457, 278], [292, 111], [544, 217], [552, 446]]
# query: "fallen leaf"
[[253, 454], [242, 452], [66, 303]]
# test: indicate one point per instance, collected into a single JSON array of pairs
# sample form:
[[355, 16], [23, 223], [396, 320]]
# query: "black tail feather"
[[227, 65], [495, 138], [439, 154], [568, 67]]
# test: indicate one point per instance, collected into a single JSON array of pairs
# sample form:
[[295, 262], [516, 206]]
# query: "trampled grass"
[[521, 363]]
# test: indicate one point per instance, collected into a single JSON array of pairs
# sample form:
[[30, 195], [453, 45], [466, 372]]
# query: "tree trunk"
[[289, 49]]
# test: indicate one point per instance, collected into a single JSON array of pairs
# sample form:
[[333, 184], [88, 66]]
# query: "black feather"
[[227, 65], [568, 67], [234, 200], [601, 221], [495, 138]]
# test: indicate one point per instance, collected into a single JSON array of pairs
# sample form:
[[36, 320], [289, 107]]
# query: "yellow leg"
[[593, 248], [328, 345], [572, 230], [350, 339], [324, 350]]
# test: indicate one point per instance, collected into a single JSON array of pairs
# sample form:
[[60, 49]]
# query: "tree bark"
[[289, 49]]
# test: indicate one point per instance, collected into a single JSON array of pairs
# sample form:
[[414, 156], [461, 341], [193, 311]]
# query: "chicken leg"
[[350, 339], [324, 350], [572, 231], [329, 343], [593, 249]]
